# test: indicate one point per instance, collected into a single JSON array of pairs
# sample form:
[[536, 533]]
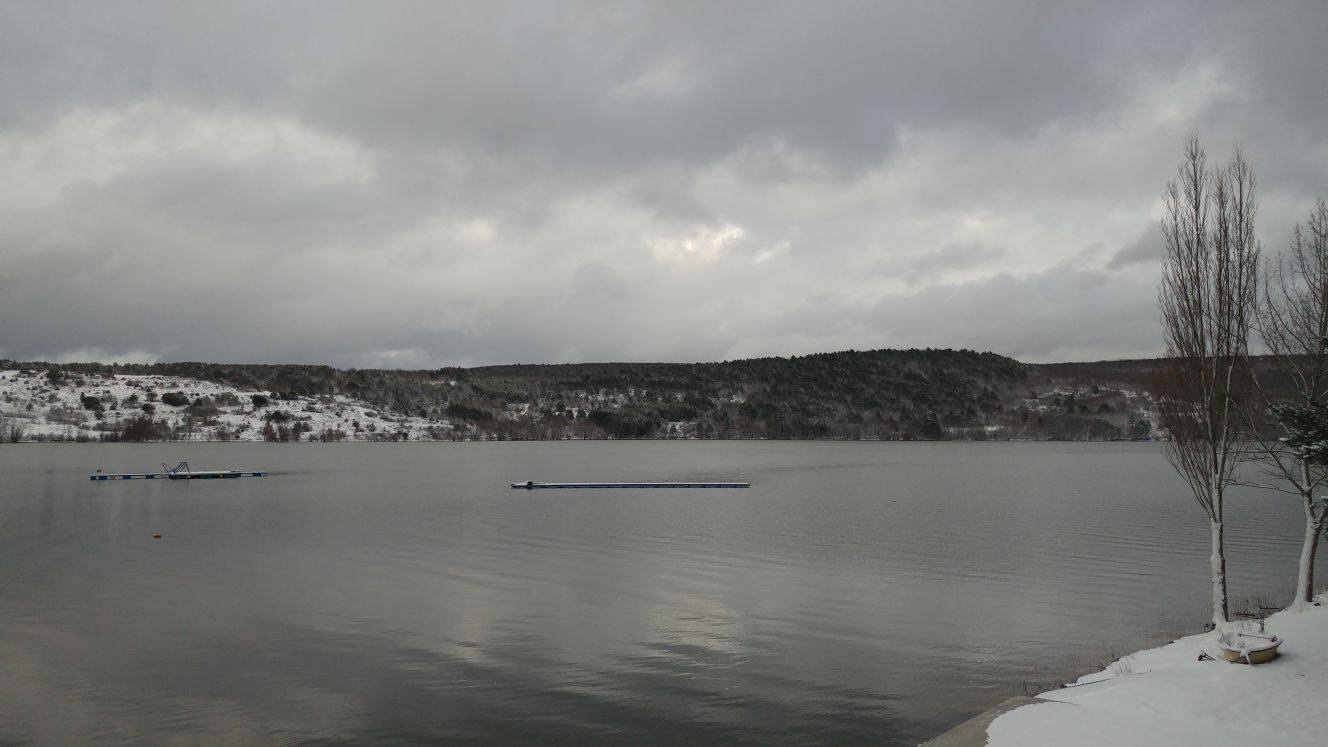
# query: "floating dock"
[[181, 471], [532, 485], [225, 474]]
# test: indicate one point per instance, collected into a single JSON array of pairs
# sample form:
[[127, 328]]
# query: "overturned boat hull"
[[1248, 648]]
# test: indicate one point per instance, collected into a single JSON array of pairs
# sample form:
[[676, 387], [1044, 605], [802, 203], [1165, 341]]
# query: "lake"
[[857, 593]]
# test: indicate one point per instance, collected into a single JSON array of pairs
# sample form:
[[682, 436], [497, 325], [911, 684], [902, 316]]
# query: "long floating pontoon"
[[532, 485], [181, 471]]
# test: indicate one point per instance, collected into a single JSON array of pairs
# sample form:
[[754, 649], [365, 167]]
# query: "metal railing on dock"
[[180, 471]]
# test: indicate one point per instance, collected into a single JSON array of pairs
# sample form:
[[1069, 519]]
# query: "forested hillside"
[[881, 394]]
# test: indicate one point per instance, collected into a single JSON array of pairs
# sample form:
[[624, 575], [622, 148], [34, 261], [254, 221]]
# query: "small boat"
[[1248, 648]]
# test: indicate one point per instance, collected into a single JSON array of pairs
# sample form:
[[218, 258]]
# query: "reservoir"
[[856, 593]]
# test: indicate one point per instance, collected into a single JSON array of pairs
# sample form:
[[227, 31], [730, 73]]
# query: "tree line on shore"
[[879, 394]]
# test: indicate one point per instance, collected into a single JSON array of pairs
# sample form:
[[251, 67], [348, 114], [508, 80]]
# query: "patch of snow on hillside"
[[42, 412]]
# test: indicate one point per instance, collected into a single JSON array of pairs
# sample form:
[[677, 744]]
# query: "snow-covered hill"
[[106, 407]]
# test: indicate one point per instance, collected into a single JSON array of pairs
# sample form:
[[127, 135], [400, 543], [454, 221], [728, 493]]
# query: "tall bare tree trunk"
[[1309, 547], [1207, 300], [1217, 563]]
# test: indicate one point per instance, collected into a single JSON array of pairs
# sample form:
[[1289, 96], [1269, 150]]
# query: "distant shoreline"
[[885, 395], [99, 442]]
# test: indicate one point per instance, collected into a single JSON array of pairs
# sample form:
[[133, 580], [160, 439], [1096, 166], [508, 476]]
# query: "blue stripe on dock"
[[625, 485]]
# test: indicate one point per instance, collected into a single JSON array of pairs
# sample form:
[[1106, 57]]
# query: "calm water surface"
[[859, 593]]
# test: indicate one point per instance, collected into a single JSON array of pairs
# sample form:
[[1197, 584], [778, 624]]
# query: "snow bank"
[[1167, 696]]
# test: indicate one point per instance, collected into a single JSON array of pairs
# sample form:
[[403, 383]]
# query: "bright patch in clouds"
[[703, 246], [92, 147], [97, 355]]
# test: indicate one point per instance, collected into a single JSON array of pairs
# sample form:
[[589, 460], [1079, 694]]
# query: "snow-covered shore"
[[1168, 696], [89, 407]]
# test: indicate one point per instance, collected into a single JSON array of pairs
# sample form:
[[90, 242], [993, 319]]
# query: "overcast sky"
[[424, 184]]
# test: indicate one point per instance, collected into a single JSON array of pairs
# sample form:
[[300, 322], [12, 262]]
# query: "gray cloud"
[[412, 184], [1144, 250], [913, 268]]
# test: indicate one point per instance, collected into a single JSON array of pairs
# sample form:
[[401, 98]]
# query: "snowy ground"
[[45, 412], [1166, 696]]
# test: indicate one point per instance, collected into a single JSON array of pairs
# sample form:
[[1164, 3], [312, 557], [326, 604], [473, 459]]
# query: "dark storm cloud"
[[570, 82], [413, 184]]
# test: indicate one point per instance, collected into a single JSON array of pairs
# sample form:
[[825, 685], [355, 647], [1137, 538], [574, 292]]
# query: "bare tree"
[[1207, 300], [1293, 324]]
